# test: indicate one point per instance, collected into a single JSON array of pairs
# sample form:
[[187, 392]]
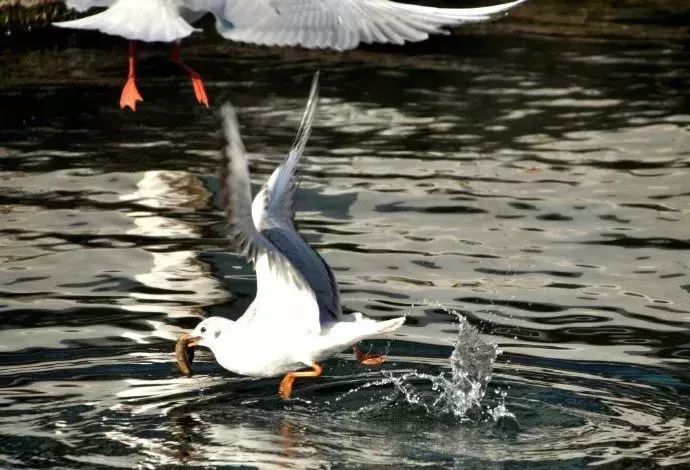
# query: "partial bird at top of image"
[[314, 24]]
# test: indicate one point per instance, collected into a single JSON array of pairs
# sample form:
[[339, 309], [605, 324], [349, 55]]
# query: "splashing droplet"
[[457, 392]]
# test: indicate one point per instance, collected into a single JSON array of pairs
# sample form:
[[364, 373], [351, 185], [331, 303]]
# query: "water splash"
[[457, 392]]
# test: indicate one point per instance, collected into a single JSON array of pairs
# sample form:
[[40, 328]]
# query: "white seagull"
[[314, 24], [296, 319]]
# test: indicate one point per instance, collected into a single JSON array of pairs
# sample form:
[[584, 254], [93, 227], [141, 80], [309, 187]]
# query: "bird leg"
[[285, 389], [197, 82], [130, 94], [368, 359]]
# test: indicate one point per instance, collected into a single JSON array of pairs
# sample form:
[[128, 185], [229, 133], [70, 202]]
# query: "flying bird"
[[296, 319], [313, 24]]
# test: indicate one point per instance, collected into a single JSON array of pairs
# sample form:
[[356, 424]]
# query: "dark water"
[[539, 187]]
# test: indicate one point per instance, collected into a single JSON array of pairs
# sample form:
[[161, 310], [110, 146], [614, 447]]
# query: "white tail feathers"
[[149, 21], [388, 326], [356, 327]]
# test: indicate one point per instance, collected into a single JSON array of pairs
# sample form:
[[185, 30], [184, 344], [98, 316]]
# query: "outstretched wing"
[[288, 269], [283, 298], [236, 191], [282, 184], [276, 220], [338, 24]]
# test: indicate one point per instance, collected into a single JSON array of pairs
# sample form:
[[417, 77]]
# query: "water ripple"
[[537, 187]]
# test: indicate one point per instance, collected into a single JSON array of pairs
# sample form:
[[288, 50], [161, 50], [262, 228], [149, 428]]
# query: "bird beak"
[[193, 341]]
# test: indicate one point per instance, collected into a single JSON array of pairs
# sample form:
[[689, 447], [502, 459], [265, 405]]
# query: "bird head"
[[210, 332]]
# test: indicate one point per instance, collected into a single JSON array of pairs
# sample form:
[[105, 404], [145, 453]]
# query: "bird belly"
[[267, 357]]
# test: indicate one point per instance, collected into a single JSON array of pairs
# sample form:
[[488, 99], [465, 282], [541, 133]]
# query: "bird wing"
[[338, 24], [83, 5], [276, 222], [291, 276], [149, 21], [215, 6], [282, 184]]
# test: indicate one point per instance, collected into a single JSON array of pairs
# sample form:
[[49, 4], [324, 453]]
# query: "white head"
[[212, 332]]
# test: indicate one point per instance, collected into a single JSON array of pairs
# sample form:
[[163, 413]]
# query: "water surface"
[[538, 187]]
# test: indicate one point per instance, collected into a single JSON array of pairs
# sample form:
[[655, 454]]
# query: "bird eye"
[[203, 329]]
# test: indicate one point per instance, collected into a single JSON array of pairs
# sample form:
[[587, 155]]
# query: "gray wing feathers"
[[236, 193], [342, 24], [236, 199], [277, 225], [311, 268], [335, 24], [282, 184], [265, 226]]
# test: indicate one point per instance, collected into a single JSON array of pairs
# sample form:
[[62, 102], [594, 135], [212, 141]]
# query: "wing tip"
[[227, 112], [314, 90], [231, 129], [304, 129]]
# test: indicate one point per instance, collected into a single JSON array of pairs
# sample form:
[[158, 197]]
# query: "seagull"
[[313, 24], [296, 319]]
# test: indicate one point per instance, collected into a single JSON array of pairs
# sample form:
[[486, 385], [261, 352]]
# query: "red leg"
[[197, 82], [130, 93], [368, 359], [285, 389]]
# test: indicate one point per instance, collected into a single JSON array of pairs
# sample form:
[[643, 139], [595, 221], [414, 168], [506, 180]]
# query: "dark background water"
[[538, 185]]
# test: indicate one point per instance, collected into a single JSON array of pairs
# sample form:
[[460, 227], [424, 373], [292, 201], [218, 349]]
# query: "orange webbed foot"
[[130, 95], [285, 389], [368, 359], [197, 82], [199, 89]]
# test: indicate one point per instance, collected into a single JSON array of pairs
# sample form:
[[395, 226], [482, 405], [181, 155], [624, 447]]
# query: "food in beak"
[[184, 352]]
